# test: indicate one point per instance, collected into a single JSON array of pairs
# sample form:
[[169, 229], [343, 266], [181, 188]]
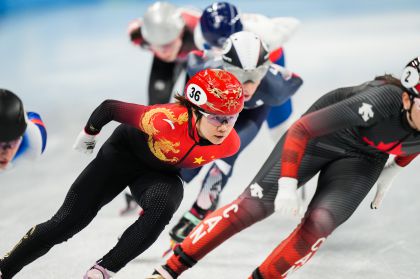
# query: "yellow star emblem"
[[199, 160]]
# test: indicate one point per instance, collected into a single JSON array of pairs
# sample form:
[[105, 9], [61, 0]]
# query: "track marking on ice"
[[392, 246]]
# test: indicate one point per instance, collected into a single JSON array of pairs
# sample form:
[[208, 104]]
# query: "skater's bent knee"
[[244, 212], [320, 221], [166, 198], [256, 207]]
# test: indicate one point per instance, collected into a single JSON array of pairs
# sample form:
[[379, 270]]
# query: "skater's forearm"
[[112, 110]]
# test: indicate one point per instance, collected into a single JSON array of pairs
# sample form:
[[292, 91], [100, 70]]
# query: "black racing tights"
[[158, 193]]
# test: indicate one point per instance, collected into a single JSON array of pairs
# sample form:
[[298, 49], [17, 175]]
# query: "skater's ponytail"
[[181, 100]]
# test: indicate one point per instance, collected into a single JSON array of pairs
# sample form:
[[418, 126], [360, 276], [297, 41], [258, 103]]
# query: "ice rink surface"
[[64, 62]]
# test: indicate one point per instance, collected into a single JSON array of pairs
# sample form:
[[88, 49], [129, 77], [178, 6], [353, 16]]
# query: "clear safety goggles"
[[219, 120], [9, 144], [254, 75]]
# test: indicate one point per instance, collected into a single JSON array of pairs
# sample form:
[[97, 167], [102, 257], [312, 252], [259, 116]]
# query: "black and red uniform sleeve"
[[363, 109], [134, 32], [112, 110]]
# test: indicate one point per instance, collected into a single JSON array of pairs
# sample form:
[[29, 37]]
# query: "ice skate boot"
[[163, 272], [98, 272], [185, 225]]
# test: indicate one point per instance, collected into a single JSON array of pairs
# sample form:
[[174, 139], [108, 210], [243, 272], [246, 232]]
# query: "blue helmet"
[[218, 22]]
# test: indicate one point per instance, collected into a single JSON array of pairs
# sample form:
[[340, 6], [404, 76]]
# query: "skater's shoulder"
[[174, 108], [165, 115]]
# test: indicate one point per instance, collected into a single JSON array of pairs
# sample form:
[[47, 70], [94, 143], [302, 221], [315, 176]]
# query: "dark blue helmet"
[[218, 22]]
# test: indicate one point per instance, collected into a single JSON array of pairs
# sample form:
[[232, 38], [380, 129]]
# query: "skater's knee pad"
[[258, 209], [163, 197], [248, 212], [320, 222]]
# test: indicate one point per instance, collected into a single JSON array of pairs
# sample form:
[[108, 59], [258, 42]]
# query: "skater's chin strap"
[[201, 141], [192, 128], [184, 258]]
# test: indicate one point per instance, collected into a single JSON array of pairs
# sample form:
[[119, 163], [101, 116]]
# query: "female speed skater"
[[347, 136], [146, 152]]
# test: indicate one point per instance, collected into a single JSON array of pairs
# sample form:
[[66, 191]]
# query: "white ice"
[[64, 62]]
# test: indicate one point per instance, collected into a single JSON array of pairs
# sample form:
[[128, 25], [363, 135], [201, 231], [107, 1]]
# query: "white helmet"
[[246, 56], [162, 24], [410, 77]]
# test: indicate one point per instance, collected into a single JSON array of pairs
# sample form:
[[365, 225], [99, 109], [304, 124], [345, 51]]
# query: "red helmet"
[[215, 91]]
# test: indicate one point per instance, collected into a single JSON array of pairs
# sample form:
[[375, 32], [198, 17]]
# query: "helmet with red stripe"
[[215, 91], [410, 77]]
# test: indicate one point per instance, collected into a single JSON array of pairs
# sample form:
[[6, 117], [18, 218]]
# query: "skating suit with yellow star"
[[170, 136], [146, 153]]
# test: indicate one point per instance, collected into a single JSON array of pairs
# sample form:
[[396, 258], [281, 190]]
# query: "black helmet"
[[12, 116]]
